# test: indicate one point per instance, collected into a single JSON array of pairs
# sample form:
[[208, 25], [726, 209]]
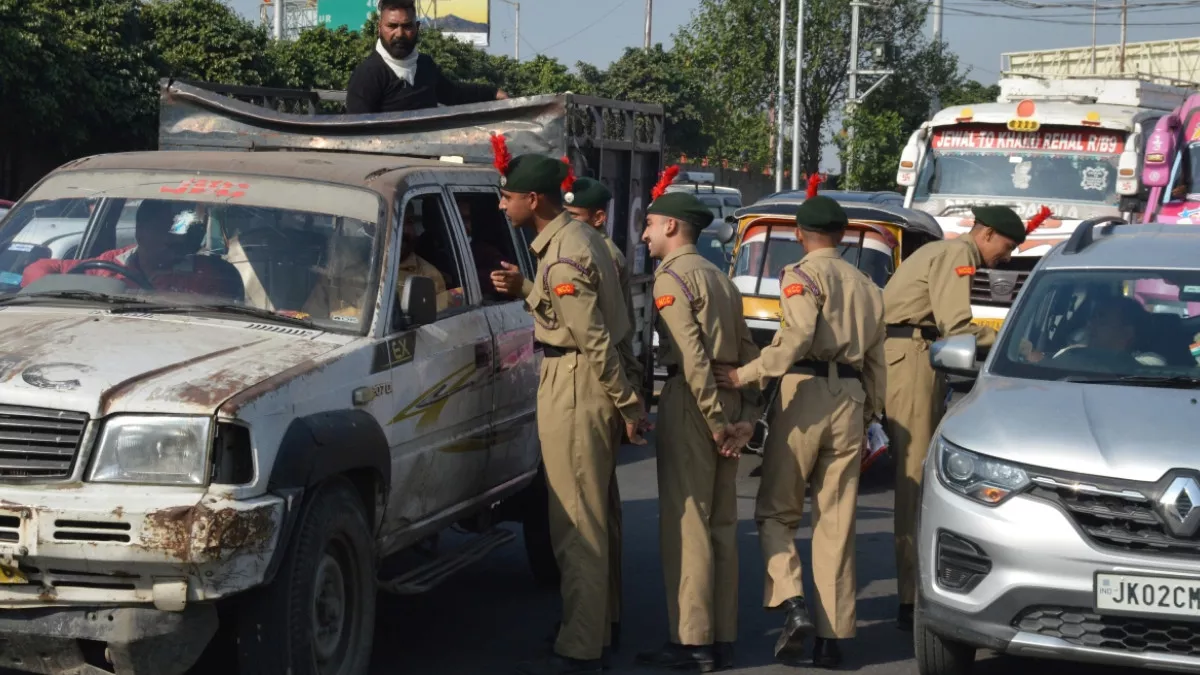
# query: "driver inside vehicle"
[[165, 257], [1108, 337]]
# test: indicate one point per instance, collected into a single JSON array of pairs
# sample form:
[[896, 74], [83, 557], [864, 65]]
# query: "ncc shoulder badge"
[[564, 289], [964, 271], [793, 289], [664, 301]]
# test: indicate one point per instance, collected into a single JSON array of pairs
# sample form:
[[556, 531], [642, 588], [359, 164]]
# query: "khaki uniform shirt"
[[832, 312], [700, 311], [633, 368], [576, 302], [932, 289]]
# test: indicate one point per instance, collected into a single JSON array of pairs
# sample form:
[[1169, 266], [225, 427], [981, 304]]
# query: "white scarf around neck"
[[405, 69]]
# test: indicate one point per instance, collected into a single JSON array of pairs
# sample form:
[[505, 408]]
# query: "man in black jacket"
[[395, 77]]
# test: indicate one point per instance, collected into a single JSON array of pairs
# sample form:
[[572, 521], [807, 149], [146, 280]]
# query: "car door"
[[439, 428], [514, 450]]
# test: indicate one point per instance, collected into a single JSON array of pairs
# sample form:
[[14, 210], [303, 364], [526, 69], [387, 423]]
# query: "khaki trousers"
[[916, 399], [697, 494], [579, 429], [815, 438]]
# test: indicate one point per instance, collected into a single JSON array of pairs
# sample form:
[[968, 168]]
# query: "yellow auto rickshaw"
[[881, 234]]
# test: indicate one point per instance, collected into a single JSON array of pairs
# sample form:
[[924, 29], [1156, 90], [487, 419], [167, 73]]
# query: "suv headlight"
[[983, 479], [157, 450]]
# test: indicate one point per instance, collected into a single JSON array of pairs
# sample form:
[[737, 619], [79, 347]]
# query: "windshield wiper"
[[218, 308], [91, 296], [1180, 381]]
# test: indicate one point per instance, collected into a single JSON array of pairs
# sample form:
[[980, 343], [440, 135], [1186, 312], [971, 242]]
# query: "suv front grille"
[[1116, 514], [999, 287], [1085, 628], [37, 443]]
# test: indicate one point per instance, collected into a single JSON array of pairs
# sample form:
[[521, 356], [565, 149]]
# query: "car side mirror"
[[418, 301], [725, 232], [955, 355]]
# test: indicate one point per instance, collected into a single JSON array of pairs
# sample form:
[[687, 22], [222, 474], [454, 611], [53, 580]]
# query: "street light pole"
[[779, 97], [1094, 3], [796, 103], [1124, 16], [517, 42], [649, 22]]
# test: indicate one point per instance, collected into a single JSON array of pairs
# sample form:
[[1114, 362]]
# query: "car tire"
[[536, 526], [937, 655], [317, 617]]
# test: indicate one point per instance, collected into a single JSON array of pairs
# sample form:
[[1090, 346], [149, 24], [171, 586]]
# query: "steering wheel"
[[133, 275]]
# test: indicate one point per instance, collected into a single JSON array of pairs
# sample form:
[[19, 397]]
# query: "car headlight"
[[983, 479], [158, 450]]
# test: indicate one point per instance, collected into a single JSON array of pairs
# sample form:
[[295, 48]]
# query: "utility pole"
[[853, 97], [279, 20], [937, 38], [517, 42], [649, 22], [779, 97], [798, 98], [1124, 16], [1094, 3]]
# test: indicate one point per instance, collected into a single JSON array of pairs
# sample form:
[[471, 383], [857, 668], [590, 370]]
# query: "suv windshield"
[[1141, 325], [244, 245]]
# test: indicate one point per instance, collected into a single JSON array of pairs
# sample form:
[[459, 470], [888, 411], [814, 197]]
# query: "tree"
[[207, 40], [969, 92]]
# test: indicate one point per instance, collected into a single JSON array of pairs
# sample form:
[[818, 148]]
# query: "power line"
[[586, 28], [1055, 20]]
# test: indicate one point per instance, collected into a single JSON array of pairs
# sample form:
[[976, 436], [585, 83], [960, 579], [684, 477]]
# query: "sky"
[[598, 31]]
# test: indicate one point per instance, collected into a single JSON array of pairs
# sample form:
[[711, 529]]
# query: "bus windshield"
[[1054, 163]]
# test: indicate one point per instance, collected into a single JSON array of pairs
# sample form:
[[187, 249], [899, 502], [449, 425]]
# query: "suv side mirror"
[[724, 230], [955, 355], [418, 301]]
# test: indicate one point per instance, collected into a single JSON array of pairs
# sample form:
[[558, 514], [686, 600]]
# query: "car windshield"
[[720, 205], [763, 255], [713, 250], [1054, 163], [1104, 324], [248, 244]]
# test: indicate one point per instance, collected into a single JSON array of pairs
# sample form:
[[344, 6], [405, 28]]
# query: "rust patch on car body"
[[198, 531]]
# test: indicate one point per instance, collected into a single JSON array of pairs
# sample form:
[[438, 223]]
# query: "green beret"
[[589, 193], [534, 173], [682, 206], [821, 214], [1002, 219]]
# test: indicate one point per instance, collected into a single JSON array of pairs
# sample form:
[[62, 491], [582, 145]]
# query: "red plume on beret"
[[500, 154], [813, 181], [667, 177], [1037, 220], [568, 182]]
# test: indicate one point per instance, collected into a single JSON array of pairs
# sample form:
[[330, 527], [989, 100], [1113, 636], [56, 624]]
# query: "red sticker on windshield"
[[217, 188]]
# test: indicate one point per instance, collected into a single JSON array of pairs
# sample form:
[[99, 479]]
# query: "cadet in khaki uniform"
[[701, 430], [583, 396], [929, 297], [829, 352]]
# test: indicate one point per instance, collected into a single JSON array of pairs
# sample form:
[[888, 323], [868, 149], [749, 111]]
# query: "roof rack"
[[1083, 236]]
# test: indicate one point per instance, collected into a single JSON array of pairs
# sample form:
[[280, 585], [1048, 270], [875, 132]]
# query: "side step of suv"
[[427, 576]]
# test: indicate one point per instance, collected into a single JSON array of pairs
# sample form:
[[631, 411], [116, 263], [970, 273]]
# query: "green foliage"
[[969, 92]]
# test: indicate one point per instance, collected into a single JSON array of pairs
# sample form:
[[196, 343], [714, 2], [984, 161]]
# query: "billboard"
[[466, 20]]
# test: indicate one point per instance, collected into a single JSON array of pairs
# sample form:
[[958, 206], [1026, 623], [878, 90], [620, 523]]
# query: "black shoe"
[[904, 618], [560, 665], [826, 653], [796, 628], [723, 655], [680, 657]]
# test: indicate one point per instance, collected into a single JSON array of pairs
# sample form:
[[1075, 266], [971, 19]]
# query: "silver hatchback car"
[[1060, 507]]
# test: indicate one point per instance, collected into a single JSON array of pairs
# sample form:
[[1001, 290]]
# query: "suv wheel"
[[318, 615], [536, 525], [939, 656]]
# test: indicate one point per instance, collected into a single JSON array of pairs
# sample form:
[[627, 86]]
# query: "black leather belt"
[[673, 370], [821, 369], [904, 330], [550, 351]]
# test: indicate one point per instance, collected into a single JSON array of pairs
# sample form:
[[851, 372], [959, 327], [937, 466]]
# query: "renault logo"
[[1179, 506]]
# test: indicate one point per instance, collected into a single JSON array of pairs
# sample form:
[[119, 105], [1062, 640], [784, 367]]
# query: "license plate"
[[1165, 596], [9, 574], [994, 324]]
